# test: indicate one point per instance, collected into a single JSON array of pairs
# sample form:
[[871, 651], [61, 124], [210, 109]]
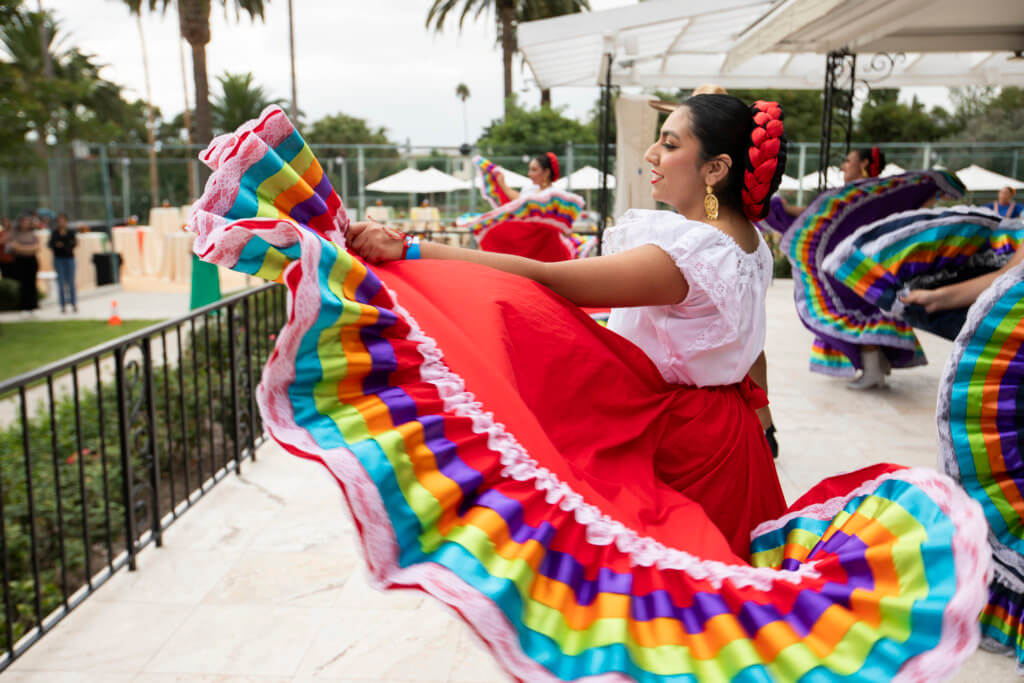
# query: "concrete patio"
[[263, 580]]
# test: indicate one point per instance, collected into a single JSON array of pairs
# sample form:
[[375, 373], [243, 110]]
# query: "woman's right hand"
[[376, 243], [930, 299]]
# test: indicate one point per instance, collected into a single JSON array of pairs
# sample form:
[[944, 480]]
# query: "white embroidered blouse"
[[717, 332]]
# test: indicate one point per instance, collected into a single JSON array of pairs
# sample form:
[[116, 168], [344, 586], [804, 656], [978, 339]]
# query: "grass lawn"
[[28, 345]]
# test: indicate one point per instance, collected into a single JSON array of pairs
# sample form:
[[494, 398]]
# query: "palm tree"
[[194, 23], [29, 41], [462, 92], [509, 13], [545, 9], [240, 100]]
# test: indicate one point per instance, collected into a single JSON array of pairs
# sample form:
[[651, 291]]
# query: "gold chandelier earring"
[[710, 204]]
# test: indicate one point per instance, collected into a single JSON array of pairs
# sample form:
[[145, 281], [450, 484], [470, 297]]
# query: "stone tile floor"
[[262, 581]]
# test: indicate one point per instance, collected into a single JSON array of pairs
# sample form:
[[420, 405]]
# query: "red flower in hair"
[[875, 163], [555, 171]]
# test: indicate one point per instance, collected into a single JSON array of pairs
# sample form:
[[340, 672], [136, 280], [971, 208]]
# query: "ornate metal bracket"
[[843, 87]]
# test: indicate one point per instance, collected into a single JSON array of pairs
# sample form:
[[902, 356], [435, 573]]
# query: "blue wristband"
[[412, 248]]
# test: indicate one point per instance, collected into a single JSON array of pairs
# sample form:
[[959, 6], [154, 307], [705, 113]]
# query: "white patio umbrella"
[[833, 178], [788, 183], [978, 179], [586, 178], [404, 181], [441, 181], [410, 180]]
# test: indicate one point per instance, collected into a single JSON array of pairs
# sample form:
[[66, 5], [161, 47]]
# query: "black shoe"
[[772, 443]]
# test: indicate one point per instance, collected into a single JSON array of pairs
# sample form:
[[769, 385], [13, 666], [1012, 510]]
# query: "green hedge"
[[97, 466]]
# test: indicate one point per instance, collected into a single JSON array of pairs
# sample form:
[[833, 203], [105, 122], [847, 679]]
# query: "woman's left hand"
[[374, 242]]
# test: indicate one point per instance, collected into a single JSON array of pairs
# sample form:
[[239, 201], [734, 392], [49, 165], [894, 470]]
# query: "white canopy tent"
[[586, 178], [978, 179], [779, 43]]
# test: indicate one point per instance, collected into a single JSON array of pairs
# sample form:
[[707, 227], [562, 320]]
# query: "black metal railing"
[[102, 451]]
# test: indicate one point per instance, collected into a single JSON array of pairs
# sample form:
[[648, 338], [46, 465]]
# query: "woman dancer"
[[542, 172], [537, 506], [852, 334], [867, 162], [24, 245], [535, 222]]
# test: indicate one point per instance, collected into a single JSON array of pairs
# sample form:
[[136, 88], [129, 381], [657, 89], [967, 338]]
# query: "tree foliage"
[[194, 25], [240, 99], [533, 131], [883, 118], [988, 116], [509, 14], [342, 129], [55, 93]]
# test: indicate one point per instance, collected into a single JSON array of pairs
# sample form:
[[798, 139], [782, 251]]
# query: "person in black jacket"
[[62, 242]]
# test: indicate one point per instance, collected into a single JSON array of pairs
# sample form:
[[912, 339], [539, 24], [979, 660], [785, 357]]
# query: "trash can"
[[108, 267]]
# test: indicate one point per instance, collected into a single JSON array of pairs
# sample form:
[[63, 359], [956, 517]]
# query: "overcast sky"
[[369, 58]]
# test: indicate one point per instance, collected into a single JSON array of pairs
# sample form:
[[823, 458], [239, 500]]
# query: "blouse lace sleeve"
[[715, 268]]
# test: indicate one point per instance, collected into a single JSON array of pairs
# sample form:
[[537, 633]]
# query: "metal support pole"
[[1013, 170], [51, 170], [448, 195], [5, 193], [108, 200], [606, 98], [152, 443], [344, 177], [570, 164], [802, 171], [127, 484], [126, 187], [361, 177], [410, 164]]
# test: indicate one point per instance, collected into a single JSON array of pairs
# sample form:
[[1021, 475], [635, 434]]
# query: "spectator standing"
[[1005, 206], [6, 257], [63, 242], [23, 245]]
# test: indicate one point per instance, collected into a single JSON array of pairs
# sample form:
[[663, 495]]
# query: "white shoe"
[[874, 372]]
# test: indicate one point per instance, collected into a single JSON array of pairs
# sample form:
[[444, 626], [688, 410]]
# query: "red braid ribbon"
[[762, 158], [555, 171], [875, 163]]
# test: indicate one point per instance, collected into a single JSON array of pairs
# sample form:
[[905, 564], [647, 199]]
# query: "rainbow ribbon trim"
[[980, 440], [819, 297], [827, 360], [856, 590], [490, 189], [882, 258], [554, 207]]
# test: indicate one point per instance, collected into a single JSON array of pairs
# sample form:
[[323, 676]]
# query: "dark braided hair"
[[725, 125], [549, 162]]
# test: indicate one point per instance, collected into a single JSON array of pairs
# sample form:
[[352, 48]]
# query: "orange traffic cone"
[[114, 318]]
